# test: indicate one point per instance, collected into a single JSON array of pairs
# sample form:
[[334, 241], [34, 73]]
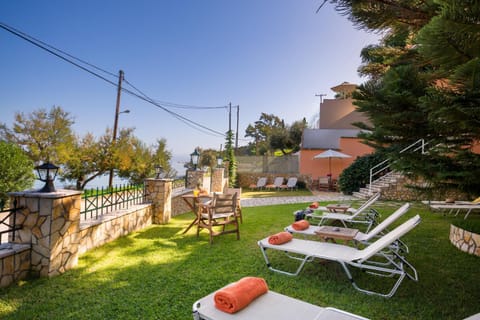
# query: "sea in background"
[[177, 163]]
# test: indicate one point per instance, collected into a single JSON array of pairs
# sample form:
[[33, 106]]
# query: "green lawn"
[[158, 273]]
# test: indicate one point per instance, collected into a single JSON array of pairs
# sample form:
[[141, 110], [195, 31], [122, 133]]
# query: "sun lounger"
[[457, 207], [393, 264], [369, 201], [261, 183], [271, 305], [360, 236], [277, 182], [359, 217]]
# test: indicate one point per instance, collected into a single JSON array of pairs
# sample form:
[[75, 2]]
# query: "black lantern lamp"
[[47, 173], [158, 171], [219, 161], [194, 158]]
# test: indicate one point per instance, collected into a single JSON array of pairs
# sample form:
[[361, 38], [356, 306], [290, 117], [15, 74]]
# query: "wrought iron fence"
[[100, 201], [8, 223]]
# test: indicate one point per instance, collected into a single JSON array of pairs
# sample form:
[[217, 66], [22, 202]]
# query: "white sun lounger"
[[360, 236], [271, 305], [458, 207], [360, 216], [394, 265], [372, 199]]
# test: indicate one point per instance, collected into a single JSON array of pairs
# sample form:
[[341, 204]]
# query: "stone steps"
[[378, 185]]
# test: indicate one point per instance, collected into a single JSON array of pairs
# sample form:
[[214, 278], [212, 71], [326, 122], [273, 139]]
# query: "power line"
[[59, 53]]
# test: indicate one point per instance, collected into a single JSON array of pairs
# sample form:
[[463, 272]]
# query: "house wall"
[[339, 114], [320, 167]]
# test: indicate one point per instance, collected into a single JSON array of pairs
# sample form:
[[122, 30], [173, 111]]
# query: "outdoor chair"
[[238, 191], [324, 183], [456, 207], [291, 184], [261, 183], [392, 265], [277, 182], [219, 216], [270, 305], [360, 216], [375, 196], [361, 237]]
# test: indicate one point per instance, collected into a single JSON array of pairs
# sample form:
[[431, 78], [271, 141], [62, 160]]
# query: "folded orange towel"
[[300, 225], [314, 205], [239, 294], [280, 238]]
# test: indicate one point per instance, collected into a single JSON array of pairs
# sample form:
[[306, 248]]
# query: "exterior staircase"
[[380, 181], [378, 185]]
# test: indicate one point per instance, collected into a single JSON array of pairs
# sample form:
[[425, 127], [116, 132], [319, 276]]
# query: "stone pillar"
[[195, 177], [51, 225], [159, 193], [218, 180]]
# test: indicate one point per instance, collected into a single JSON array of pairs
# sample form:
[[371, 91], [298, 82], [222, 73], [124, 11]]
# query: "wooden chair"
[[219, 214], [238, 191], [324, 183]]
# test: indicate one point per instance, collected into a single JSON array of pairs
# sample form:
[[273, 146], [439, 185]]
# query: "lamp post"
[[219, 161], [114, 140], [158, 171], [194, 158], [47, 172]]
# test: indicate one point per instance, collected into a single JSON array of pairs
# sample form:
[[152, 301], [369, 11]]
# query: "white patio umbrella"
[[331, 154]]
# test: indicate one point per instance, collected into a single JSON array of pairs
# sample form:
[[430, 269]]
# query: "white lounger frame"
[[360, 215], [271, 305], [395, 265], [361, 237]]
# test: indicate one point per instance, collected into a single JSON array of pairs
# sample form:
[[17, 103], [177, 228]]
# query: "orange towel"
[[300, 225], [314, 205], [280, 238], [239, 294]]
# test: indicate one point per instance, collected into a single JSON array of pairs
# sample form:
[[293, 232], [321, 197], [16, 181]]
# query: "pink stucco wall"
[[320, 167]]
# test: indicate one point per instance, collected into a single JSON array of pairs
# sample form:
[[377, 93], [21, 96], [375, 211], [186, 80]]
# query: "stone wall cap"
[[52, 195]]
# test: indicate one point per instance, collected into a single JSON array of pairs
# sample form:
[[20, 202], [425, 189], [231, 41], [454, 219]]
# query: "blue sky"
[[268, 56]]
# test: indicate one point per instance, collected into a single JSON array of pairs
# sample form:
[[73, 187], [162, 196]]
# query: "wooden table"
[[192, 202], [342, 208], [331, 233]]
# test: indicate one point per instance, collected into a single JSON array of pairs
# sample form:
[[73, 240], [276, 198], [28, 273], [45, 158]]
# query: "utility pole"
[[115, 123], [236, 132], [230, 117]]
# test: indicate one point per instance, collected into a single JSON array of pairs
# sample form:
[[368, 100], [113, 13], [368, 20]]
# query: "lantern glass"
[[47, 172]]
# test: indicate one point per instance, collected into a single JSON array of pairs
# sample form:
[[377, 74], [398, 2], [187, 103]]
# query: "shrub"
[[357, 175]]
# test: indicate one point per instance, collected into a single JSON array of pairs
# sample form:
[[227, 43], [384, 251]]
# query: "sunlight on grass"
[[247, 193], [159, 272]]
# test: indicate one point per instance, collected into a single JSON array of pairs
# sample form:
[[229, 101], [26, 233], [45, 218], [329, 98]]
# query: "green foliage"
[[47, 135], [232, 161], [158, 273], [44, 135], [357, 175], [472, 225], [16, 170], [424, 84], [270, 134]]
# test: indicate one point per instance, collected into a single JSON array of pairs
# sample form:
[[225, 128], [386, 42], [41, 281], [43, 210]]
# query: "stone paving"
[[318, 196]]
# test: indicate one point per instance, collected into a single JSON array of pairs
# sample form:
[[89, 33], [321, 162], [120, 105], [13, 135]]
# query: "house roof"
[[326, 138]]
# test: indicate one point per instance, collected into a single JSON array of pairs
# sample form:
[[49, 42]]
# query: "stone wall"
[[14, 263], [402, 191], [96, 232], [50, 225], [465, 240], [52, 236]]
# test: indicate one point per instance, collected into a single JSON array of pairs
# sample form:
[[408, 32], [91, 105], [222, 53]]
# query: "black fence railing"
[[99, 201], [8, 223]]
